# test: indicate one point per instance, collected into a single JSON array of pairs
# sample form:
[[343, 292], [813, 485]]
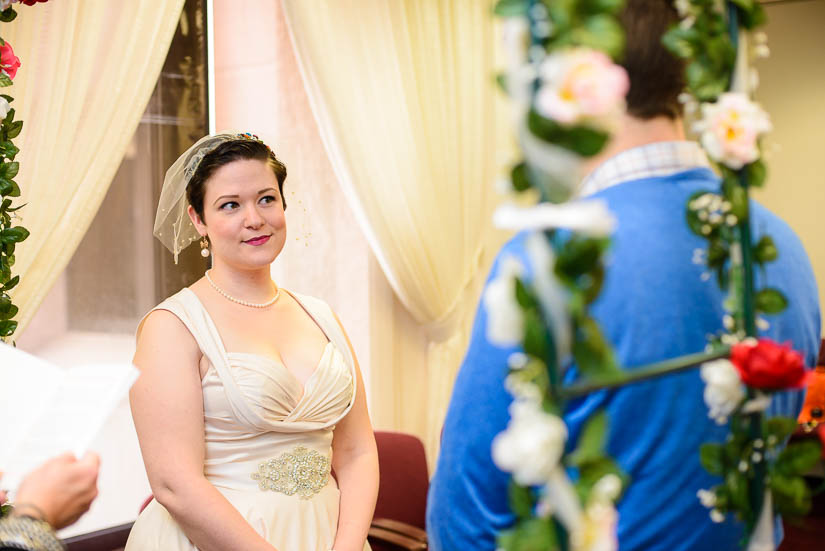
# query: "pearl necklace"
[[270, 302]]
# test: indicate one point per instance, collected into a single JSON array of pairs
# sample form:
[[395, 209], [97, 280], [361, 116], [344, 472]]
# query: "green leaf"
[[533, 534], [600, 32], [738, 198], [7, 327], [591, 441], [14, 129], [582, 140], [519, 177], [712, 457], [682, 42], [7, 314], [751, 13], [756, 172], [6, 187], [501, 81], [535, 334], [7, 97], [765, 250], [737, 489], [14, 235], [511, 8], [9, 149], [770, 301], [601, 6], [594, 356], [521, 500], [779, 427], [790, 494], [717, 253], [10, 170], [705, 83], [8, 15], [12, 283], [593, 470], [524, 297], [9, 116], [579, 256], [15, 189], [798, 458]]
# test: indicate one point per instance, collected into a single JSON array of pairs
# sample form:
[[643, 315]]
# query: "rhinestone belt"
[[301, 471]]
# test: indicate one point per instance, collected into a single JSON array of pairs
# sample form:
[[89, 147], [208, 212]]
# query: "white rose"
[[723, 389], [730, 129], [4, 107], [590, 216], [581, 84], [532, 444], [505, 320], [4, 4]]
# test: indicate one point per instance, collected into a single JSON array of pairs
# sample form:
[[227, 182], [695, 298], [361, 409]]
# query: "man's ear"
[[196, 220]]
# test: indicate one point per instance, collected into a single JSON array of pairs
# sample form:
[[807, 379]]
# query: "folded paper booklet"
[[46, 410]]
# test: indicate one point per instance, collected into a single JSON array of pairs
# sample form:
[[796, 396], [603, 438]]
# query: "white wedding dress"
[[268, 438]]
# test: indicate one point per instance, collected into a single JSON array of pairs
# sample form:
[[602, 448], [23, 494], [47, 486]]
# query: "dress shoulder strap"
[[326, 320], [187, 307]]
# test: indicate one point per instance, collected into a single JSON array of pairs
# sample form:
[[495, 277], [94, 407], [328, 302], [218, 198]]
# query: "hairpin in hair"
[[253, 137]]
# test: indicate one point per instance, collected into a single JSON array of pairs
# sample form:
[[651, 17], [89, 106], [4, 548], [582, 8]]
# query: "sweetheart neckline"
[[283, 366], [222, 346]]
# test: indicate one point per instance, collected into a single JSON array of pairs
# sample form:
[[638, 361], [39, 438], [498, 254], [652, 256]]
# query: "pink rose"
[[730, 129], [768, 365], [8, 61], [581, 83]]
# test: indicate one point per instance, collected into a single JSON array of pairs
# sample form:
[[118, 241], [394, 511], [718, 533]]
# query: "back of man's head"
[[656, 76]]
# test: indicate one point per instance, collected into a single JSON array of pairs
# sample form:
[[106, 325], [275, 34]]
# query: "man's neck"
[[633, 132]]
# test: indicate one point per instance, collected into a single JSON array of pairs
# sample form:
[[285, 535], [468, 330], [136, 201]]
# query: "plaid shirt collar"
[[646, 161]]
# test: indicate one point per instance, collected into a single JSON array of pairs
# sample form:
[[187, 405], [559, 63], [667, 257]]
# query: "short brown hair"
[[224, 154], [656, 76]]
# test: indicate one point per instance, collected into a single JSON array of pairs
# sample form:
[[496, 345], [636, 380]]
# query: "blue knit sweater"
[[654, 305]]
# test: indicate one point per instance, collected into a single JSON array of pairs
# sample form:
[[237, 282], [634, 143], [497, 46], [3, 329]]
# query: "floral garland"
[[755, 471], [559, 60], [10, 233], [567, 93]]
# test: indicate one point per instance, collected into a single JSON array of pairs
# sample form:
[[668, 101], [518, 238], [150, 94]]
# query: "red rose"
[[8, 60], [31, 2], [768, 365]]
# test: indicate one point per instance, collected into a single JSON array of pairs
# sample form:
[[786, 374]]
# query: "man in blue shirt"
[[655, 304]]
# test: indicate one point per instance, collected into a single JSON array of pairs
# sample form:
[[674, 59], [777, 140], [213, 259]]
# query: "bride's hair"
[[224, 154]]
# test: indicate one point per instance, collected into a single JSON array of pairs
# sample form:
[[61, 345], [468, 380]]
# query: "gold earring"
[[204, 247]]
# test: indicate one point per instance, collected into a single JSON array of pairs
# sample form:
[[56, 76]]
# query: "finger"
[[91, 459]]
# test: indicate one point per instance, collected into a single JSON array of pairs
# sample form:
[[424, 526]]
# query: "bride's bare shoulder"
[[162, 334]]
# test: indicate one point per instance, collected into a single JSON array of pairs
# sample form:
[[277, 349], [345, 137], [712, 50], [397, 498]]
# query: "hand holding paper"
[[47, 410]]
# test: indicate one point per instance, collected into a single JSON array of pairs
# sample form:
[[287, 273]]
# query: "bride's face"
[[243, 214]]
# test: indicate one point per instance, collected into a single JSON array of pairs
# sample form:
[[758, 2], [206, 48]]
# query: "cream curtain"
[[403, 95], [88, 69]]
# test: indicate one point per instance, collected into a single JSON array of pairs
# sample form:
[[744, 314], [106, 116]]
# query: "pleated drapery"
[[88, 70], [403, 95]]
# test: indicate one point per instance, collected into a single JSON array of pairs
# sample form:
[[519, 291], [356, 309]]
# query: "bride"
[[249, 394]]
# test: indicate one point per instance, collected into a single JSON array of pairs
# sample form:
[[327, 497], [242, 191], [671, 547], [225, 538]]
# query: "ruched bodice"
[[268, 438]]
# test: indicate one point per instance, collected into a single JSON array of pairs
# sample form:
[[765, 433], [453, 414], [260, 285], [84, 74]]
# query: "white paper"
[[47, 410]]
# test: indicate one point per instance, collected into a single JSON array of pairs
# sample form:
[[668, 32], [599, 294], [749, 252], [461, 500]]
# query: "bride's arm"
[[167, 407], [355, 460]]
